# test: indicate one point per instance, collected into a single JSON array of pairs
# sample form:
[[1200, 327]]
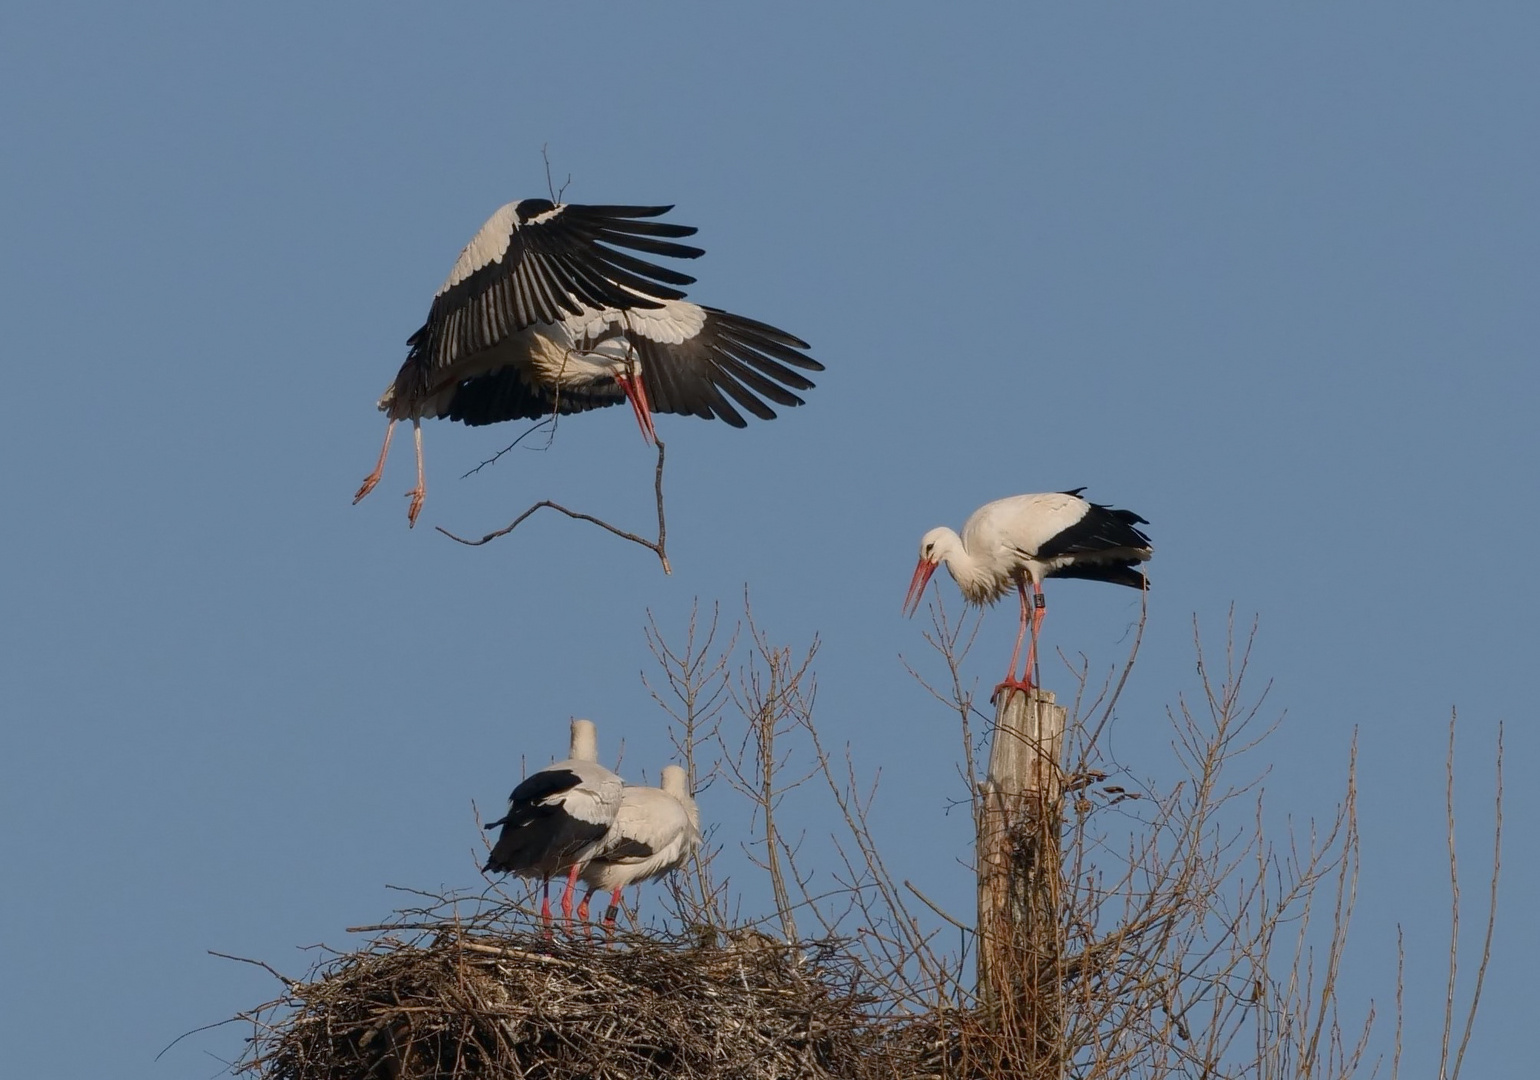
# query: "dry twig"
[[657, 547]]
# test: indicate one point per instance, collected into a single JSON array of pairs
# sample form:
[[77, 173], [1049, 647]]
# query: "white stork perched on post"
[[655, 830], [557, 819], [1023, 539], [542, 314]]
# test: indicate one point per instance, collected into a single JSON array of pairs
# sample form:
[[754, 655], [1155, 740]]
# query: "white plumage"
[[558, 818], [544, 314], [1021, 540], [655, 831]]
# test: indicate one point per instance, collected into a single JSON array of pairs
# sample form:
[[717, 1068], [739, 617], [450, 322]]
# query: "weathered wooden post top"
[[1020, 942]]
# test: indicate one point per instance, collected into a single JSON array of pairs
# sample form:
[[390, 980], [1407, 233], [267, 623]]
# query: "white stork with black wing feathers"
[[655, 830], [542, 314], [1021, 540], [557, 819]]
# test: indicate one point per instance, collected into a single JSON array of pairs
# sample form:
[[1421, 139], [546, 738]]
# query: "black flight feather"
[[1101, 529]]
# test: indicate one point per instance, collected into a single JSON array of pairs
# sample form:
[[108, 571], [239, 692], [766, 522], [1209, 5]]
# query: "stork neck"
[[969, 573], [585, 741]]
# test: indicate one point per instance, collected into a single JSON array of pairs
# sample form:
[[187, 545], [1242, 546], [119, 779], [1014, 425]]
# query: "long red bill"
[[636, 394], [922, 572]]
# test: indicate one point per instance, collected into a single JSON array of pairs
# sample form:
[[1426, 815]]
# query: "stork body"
[[557, 819], [541, 315], [655, 830], [1019, 541]]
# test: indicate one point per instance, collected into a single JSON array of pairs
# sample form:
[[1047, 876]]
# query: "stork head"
[[676, 782], [933, 547]]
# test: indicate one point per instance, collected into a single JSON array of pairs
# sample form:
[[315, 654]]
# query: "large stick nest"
[[484, 1002]]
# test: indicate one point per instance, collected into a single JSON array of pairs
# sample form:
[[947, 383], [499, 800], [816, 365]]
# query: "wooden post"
[[1019, 936]]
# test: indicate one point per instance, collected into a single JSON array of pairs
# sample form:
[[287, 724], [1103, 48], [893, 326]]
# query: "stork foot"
[[414, 508], [367, 486], [1023, 685]]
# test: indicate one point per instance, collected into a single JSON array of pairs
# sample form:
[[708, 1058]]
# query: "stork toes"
[[379, 466], [1023, 685]]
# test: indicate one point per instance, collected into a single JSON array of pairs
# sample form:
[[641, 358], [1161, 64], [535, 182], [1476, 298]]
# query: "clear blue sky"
[[1267, 278]]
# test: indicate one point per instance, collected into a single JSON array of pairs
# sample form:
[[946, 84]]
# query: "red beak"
[[922, 572], [636, 394]]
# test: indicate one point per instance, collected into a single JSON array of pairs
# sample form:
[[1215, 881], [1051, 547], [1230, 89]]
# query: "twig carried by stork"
[[658, 547]]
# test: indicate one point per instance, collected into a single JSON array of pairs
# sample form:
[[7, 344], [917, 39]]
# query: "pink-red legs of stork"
[[419, 492], [566, 897], [379, 466], [609, 915], [566, 902], [1038, 608]]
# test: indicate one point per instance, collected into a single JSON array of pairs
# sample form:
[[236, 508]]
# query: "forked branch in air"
[[658, 547]]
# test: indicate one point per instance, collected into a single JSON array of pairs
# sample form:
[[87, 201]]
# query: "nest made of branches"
[[454, 1001]]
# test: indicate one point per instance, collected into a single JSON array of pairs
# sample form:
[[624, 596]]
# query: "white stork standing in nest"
[[543, 314], [1021, 540], [557, 819], [655, 830]]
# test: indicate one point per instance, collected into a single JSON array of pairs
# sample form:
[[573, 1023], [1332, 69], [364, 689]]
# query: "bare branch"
[[1491, 920], [657, 547], [544, 421], [556, 193], [255, 963]]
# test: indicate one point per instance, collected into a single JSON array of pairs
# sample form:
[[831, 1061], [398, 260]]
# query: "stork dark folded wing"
[[543, 785], [1101, 529], [627, 850]]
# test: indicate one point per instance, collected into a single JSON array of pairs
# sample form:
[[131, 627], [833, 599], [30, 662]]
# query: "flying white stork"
[[656, 830], [557, 819], [1023, 539], [542, 315]]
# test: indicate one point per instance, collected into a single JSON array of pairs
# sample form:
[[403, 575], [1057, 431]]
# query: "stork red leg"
[[1039, 609], [614, 910], [379, 466], [636, 394], [566, 897], [421, 490], [583, 907], [545, 902], [1023, 684]]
